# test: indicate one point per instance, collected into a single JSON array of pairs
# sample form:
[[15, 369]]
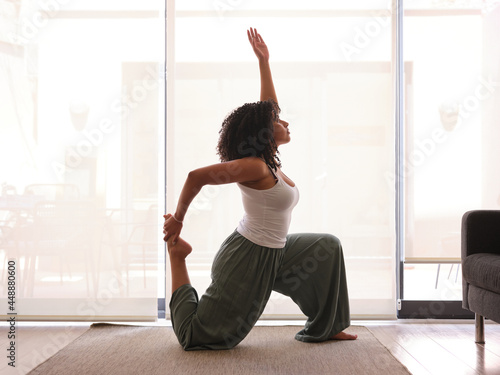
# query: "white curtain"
[[452, 133], [331, 62], [81, 157]]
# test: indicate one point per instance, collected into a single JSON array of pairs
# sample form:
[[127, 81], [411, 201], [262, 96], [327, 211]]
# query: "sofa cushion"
[[484, 302], [483, 270]]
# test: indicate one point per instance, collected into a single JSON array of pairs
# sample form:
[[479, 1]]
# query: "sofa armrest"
[[480, 232]]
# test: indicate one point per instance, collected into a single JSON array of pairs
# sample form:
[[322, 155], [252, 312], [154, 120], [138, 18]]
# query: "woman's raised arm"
[[267, 90]]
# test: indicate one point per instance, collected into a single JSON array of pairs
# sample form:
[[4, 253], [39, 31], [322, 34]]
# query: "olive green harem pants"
[[310, 269]]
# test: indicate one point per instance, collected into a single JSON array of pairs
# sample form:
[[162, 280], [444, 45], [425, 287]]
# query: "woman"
[[259, 256]]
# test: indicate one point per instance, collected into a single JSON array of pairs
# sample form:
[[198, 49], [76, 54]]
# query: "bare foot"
[[180, 250], [343, 336]]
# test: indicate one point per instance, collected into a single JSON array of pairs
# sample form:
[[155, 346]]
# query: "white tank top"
[[268, 213]]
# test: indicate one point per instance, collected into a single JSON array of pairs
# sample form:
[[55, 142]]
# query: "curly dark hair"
[[248, 131]]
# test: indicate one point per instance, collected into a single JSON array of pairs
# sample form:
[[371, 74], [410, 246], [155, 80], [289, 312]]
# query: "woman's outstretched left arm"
[[267, 90]]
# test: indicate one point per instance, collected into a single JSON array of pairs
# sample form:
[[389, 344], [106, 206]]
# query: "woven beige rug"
[[121, 350]]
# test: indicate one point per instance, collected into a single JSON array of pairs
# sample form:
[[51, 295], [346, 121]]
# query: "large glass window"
[[332, 70], [81, 145], [451, 136], [85, 127]]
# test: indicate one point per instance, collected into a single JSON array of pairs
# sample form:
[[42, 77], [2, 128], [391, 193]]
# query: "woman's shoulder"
[[252, 162], [260, 172]]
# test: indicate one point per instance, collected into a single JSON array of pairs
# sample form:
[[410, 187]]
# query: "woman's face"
[[281, 133]]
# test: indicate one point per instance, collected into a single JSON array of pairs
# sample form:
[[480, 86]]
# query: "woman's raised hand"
[[258, 44], [171, 228]]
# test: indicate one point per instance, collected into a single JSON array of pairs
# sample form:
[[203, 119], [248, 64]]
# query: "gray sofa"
[[481, 266]]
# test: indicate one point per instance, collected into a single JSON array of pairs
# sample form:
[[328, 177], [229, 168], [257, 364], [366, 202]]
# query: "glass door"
[[334, 83], [450, 142]]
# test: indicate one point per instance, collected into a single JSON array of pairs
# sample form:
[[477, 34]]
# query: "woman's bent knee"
[[330, 244]]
